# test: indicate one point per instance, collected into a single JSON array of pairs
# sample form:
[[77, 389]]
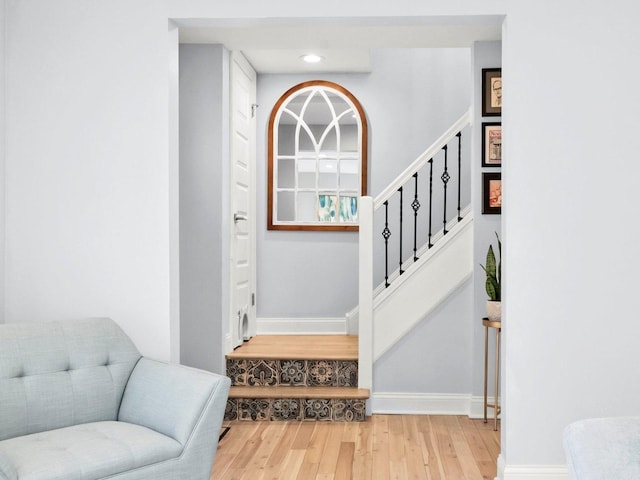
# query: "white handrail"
[[421, 161]]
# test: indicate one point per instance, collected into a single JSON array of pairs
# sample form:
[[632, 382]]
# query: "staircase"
[[276, 377], [424, 239], [422, 233]]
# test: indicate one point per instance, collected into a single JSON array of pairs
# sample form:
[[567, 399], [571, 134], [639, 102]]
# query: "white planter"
[[494, 311]]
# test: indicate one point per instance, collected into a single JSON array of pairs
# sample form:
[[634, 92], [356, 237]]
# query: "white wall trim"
[[500, 469], [476, 407], [174, 193], [428, 404], [538, 472], [228, 344], [302, 326]]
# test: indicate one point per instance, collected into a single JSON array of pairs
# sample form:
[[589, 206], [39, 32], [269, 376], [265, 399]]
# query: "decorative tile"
[[351, 410], [321, 373], [231, 410], [347, 375], [292, 372], [286, 409], [317, 409], [253, 409], [237, 371], [262, 373]]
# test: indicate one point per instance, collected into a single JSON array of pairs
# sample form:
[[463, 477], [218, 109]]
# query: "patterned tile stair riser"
[[308, 373], [294, 373], [337, 410]]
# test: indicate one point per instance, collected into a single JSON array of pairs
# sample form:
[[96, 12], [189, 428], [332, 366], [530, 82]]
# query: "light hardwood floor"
[[383, 447]]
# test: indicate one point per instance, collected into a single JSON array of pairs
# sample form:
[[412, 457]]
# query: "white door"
[[242, 202]]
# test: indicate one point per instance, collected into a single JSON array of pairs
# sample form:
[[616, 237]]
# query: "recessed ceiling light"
[[312, 58]]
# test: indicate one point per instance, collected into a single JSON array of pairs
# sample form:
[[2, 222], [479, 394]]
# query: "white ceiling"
[[273, 46]]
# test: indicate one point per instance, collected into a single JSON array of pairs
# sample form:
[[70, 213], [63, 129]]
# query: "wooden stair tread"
[[298, 392], [298, 347]]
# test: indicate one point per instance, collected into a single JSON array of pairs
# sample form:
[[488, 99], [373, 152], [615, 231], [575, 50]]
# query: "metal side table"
[[496, 408]]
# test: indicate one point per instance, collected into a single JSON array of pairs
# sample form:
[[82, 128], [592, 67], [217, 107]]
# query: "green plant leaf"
[[490, 287], [491, 262], [493, 270]]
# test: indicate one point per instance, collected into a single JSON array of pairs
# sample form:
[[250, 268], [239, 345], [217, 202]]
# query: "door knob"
[[237, 217]]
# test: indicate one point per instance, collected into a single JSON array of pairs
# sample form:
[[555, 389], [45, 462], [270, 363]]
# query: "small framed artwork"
[[491, 92], [492, 144], [491, 193]]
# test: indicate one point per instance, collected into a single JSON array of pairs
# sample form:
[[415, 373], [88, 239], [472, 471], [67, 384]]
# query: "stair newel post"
[[430, 198], [401, 206], [445, 179], [459, 135], [365, 295], [415, 205], [386, 233]]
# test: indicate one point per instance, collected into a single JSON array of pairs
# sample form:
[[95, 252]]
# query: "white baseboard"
[[301, 326], [476, 407], [428, 404], [537, 472], [531, 472], [420, 404]]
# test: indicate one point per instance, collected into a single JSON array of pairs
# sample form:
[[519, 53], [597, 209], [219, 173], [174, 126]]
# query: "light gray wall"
[[203, 140], [97, 241], [436, 356], [2, 152], [87, 167], [484, 55], [571, 297], [410, 98]]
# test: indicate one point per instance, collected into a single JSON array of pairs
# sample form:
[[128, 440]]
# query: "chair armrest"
[[603, 448], [174, 399]]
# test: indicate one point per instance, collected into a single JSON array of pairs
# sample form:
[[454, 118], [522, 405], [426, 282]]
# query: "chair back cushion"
[[57, 374]]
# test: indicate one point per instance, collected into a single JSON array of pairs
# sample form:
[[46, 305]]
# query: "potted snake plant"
[[493, 286]]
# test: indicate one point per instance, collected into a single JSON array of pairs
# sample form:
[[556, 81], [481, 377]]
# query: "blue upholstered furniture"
[[78, 402], [603, 448]]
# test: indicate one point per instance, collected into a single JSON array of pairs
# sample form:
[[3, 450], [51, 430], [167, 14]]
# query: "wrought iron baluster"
[[459, 135], [430, 198], [415, 205], [445, 179], [401, 189], [386, 233]]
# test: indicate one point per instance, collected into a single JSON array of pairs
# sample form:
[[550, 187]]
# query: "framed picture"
[[492, 144], [491, 192], [491, 92]]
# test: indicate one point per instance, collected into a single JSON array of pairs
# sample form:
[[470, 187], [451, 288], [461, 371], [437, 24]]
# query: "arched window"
[[317, 158]]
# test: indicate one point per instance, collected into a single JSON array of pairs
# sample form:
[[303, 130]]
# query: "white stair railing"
[[367, 209]]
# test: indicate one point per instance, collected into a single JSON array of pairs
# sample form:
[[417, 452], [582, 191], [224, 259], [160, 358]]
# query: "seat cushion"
[[86, 452]]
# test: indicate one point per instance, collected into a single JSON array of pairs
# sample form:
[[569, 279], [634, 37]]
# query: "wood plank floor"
[[299, 347], [384, 447]]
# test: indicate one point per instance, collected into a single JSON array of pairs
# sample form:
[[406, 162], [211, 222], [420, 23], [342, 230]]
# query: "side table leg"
[[486, 368]]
